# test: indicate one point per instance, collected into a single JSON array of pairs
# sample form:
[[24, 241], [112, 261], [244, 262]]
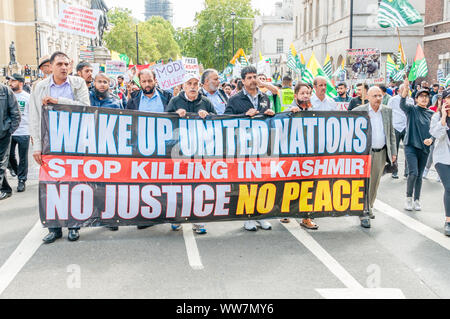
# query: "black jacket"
[[240, 104], [9, 112], [181, 102], [133, 103], [355, 102]]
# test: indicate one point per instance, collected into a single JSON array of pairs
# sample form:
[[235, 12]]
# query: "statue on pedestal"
[[12, 54], [103, 23]]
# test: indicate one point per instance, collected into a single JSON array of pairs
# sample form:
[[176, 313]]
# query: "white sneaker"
[[417, 206], [409, 204], [264, 225], [425, 173], [250, 225]]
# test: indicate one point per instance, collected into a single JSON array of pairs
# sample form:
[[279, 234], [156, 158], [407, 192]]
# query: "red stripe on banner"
[[152, 170]]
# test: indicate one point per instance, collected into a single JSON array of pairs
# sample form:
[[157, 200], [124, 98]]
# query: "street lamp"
[[137, 45], [223, 47], [233, 17]]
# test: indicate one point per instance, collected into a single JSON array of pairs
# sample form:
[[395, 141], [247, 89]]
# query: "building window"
[[448, 11], [280, 48], [446, 64]]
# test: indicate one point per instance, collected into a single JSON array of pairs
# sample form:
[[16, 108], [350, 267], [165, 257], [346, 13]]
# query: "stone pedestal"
[[101, 55], [14, 68]]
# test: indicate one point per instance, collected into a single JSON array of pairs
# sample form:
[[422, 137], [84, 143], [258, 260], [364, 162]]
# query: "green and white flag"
[[419, 68], [307, 76], [327, 68], [391, 67], [397, 13]]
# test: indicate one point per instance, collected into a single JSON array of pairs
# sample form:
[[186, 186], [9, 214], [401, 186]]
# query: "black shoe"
[[395, 176], [74, 235], [112, 228], [143, 227], [447, 229], [52, 237], [365, 223], [21, 187], [4, 195]]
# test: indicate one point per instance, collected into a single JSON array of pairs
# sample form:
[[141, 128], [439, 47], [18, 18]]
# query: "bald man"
[[383, 149]]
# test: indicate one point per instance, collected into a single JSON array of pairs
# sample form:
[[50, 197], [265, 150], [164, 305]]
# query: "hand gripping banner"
[[121, 168]]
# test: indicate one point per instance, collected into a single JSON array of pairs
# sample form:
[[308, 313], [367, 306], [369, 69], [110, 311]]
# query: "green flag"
[[397, 13], [419, 68]]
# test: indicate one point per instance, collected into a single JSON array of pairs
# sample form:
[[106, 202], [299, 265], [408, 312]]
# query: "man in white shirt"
[[319, 100], [399, 122], [21, 137], [383, 145]]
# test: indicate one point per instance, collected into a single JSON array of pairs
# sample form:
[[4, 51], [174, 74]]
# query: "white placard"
[[170, 75], [191, 66]]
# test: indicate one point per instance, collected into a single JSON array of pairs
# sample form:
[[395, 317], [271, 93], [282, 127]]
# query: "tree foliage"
[[156, 37], [205, 40]]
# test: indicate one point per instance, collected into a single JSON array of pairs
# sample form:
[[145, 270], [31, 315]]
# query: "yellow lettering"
[[339, 188], [266, 198], [291, 192], [246, 201]]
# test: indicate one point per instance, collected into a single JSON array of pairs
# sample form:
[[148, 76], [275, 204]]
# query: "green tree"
[[204, 40], [156, 37]]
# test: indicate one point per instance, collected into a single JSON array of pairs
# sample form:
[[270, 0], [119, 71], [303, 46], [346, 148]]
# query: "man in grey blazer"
[[384, 148], [59, 88]]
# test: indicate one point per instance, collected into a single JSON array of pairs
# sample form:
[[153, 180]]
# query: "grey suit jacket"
[[389, 130]]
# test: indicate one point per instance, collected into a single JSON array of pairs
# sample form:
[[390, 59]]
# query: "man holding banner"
[[320, 100], [60, 88], [150, 98], [250, 102], [211, 90]]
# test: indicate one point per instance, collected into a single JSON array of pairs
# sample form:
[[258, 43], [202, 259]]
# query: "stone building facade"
[[437, 38], [19, 21], [323, 26]]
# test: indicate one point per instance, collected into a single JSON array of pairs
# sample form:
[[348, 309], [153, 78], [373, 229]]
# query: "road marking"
[[191, 248], [413, 224], [354, 289], [18, 259]]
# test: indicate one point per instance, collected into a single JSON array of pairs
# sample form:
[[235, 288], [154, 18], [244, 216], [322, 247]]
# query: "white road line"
[[18, 259], [354, 289], [413, 224], [191, 248], [317, 250]]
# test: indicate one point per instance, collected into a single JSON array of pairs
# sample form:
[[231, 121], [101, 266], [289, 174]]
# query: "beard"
[[15, 89], [101, 95], [148, 90], [342, 94]]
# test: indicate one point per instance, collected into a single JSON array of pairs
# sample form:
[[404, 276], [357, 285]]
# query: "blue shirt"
[[217, 101], [153, 104], [64, 90]]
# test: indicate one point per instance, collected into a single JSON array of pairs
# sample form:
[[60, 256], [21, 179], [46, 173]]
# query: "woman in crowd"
[[440, 129], [417, 143], [435, 108]]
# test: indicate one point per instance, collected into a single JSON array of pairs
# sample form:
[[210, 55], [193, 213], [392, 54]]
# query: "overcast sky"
[[184, 10]]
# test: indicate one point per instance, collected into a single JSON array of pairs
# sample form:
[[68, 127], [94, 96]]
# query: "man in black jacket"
[[190, 100], [150, 98], [250, 102], [9, 122]]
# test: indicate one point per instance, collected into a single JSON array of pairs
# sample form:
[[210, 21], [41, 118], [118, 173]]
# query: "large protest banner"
[[115, 68], [117, 167], [78, 20]]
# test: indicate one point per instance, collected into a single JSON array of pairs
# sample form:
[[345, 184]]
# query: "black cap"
[[422, 91], [16, 77], [446, 93]]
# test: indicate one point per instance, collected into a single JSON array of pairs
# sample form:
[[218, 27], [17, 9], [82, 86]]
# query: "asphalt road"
[[405, 252]]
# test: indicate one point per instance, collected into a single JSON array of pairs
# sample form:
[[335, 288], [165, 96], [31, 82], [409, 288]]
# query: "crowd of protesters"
[[421, 119]]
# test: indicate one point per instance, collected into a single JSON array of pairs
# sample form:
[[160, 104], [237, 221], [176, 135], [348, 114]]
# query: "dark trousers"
[[444, 173], [5, 143], [21, 167], [400, 136], [417, 160]]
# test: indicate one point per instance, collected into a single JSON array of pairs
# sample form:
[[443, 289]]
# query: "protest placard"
[[170, 75], [115, 68], [191, 66], [78, 20], [364, 65]]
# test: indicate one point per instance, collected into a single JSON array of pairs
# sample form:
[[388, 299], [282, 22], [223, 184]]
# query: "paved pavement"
[[403, 251]]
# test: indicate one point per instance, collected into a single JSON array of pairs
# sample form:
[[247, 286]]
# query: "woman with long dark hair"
[[440, 129]]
